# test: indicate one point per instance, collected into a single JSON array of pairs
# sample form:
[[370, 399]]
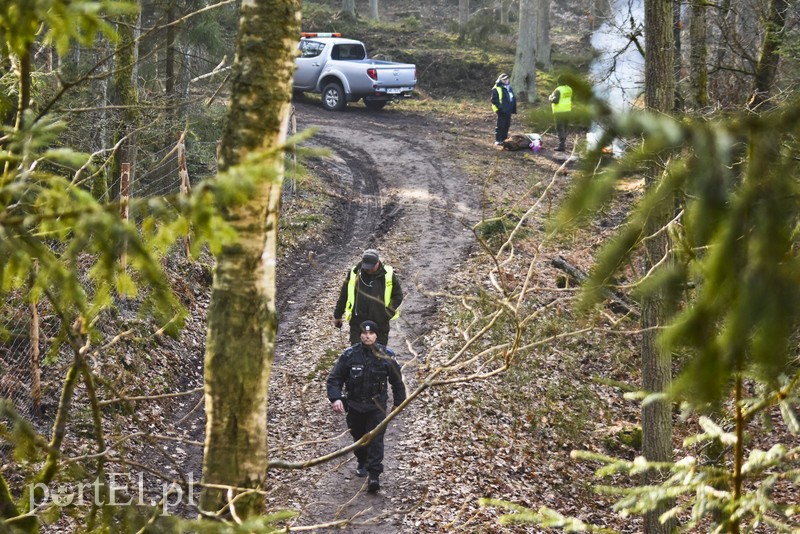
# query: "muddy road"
[[398, 192]]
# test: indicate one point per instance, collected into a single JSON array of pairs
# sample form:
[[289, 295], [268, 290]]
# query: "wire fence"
[[28, 332]]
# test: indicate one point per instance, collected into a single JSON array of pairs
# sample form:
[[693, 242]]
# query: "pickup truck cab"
[[340, 71]]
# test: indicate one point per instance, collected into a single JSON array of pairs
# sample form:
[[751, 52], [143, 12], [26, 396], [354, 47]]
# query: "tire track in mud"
[[409, 203], [357, 216]]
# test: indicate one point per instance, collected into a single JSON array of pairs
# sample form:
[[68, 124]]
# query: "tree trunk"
[[543, 50], [504, 9], [767, 68], [657, 362], [349, 7], [373, 10], [125, 94], [724, 15], [170, 77], [24, 99], [169, 66], [463, 13], [523, 76], [242, 319], [698, 56], [677, 26]]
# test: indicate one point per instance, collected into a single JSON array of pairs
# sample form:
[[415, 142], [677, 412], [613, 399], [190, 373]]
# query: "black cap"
[[369, 326], [370, 258]]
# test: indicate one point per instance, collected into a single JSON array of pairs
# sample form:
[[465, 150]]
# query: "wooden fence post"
[[294, 151], [124, 207], [36, 373], [186, 186]]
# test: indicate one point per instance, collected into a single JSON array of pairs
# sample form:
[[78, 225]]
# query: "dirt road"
[[401, 195]]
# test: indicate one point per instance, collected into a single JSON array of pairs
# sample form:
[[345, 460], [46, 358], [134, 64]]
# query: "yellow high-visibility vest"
[[564, 101], [499, 97], [351, 292]]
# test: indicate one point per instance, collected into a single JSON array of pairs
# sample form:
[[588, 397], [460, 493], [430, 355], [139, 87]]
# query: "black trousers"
[[561, 129], [503, 124], [355, 333], [372, 454]]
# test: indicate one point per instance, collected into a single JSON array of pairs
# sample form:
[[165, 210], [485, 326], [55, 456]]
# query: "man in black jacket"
[[504, 104], [370, 292], [359, 379]]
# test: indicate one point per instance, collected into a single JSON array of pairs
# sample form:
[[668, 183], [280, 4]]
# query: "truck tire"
[[333, 98], [375, 105]]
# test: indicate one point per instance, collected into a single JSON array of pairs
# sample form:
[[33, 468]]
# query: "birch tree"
[[242, 319], [373, 10]]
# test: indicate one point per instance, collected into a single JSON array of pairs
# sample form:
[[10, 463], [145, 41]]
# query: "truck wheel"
[[374, 105], [333, 97]]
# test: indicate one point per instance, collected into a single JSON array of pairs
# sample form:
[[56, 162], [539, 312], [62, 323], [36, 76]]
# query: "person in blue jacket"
[[504, 104]]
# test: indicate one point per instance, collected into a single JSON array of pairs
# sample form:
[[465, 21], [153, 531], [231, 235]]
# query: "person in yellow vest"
[[561, 102], [504, 104], [371, 292]]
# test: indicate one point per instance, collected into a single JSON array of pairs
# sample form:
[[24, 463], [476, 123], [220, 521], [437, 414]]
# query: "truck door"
[[309, 63]]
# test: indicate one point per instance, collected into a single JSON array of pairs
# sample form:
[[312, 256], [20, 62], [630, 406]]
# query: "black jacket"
[[360, 376], [505, 105], [369, 305]]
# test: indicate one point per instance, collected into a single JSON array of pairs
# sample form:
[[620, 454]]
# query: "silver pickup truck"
[[338, 68]]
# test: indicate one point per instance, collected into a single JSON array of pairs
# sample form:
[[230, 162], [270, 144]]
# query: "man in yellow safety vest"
[[561, 103], [370, 292], [504, 104]]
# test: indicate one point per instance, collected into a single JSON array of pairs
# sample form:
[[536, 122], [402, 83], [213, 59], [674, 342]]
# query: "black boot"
[[374, 484], [361, 470]]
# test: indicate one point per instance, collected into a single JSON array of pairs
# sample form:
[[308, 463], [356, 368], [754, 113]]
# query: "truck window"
[[310, 48], [350, 51]]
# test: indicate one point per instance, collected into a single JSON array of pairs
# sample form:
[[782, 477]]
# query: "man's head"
[[503, 78], [370, 261], [369, 332]]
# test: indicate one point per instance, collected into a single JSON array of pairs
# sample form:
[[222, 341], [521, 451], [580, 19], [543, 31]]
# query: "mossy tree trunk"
[[656, 361], [124, 94], [242, 318], [767, 68]]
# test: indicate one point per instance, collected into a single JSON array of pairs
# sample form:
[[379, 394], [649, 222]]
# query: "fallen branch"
[[618, 302]]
